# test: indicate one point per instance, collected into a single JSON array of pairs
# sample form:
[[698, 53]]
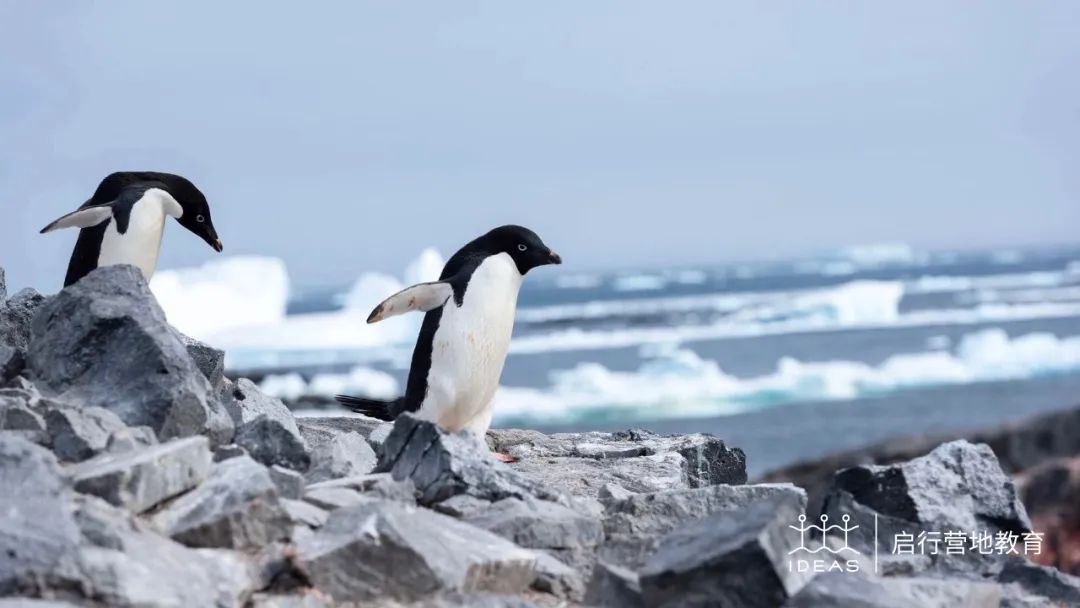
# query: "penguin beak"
[[554, 258], [217, 245]]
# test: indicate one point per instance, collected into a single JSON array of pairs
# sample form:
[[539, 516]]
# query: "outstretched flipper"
[[84, 217], [381, 410], [422, 297]]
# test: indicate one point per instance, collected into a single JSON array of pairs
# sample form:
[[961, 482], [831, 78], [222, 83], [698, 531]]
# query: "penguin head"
[[523, 245], [196, 211]]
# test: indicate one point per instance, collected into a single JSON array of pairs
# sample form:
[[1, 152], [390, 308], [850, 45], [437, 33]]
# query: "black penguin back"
[[87, 251]]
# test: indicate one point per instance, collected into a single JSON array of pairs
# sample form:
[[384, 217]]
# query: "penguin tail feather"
[[381, 410]]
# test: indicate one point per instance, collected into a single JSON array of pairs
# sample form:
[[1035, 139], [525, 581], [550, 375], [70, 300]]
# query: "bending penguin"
[[465, 336], [124, 220]]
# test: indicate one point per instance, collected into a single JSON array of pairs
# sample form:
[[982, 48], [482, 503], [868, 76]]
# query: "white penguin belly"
[[140, 244], [470, 347]]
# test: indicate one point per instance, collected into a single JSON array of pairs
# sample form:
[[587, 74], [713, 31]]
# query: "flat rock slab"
[[539, 524], [374, 485], [409, 554], [237, 507], [865, 591], [77, 433], [372, 430], [104, 342], [587, 476], [442, 465], [730, 558], [141, 479], [336, 454]]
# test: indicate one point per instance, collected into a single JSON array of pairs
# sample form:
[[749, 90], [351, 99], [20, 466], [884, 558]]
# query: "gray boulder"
[[373, 431], [556, 578], [237, 507], [336, 454], [443, 464], [104, 342], [1042, 581], [16, 318], [633, 527], [17, 415], [375, 485], [141, 479], [727, 559], [865, 591], [409, 554], [331, 498], [538, 524], [615, 587], [12, 363], [77, 433], [209, 360], [38, 535], [304, 513], [264, 426], [586, 477], [708, 460], [289, 483]]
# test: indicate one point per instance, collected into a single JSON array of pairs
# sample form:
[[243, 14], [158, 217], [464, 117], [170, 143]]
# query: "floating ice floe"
[[361, 382]]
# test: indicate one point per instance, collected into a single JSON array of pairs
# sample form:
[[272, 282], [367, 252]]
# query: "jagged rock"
[[77, 433], [334, 498], [131, 438], [728, 558], [301, 512], [375, 485], [409, 554], [586, 476], [231, 450], [12, 363], [17, 316], [863, 591], [708, 460], [957, 486], [336, 454], [141, 479], [613, 492], [124, 564], [38, 536], [558, 579], [1042, 581], [461, 505], [290, 484], [443, 464], [634, 526], [264, 426], [538, 524], [237, 507], [615, 587], [17, 415], [104, 342], [209, 360], [372, 430]]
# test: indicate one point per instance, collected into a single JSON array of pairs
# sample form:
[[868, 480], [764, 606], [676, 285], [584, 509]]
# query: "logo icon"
[[824, 528], [827, 547]]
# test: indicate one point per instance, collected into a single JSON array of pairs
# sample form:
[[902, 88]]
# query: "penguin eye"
[[199, 218], [522, 247]]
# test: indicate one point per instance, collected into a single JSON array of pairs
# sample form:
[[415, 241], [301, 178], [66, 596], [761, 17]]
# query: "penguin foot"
[[507, 458]]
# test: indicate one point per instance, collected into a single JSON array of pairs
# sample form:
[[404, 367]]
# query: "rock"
[[728, 558], [225, 452], [38, 535], [1042, 581], [124, 564], [375, 485], [301, 512], [615, 587], [17, 316], [131, 438], [634, 526], [708, 460], [104, 342], [558, 579], [3, 285], [443, 464], [237, 507], [264, 426], [461, 505], [586, 476], [17, 415], [373, 431], [474, 600], [12, 363], [302, 600], [538, 524], [289, 483], [409, 554], [336, 454], [209, 360], [863, 591], [141, 479], [957, 486], [613, 492], [77, 433], [334, 498]]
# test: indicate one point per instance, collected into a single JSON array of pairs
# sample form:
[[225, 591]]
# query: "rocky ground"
[[135, 474]]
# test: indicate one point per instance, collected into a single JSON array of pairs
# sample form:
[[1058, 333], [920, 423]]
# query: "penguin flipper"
[[374, 408], [84, 217], [423, 297]]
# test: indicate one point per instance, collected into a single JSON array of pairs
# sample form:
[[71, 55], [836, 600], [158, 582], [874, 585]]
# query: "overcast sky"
[[345, 136]]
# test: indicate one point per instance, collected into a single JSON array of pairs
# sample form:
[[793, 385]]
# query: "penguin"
[[464, 339], [124, 220]]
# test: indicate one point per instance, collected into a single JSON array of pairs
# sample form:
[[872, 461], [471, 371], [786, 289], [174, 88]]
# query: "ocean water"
[[669, 348]]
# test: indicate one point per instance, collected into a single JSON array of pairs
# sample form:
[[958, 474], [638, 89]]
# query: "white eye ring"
[[522, 247], [200, 218]]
